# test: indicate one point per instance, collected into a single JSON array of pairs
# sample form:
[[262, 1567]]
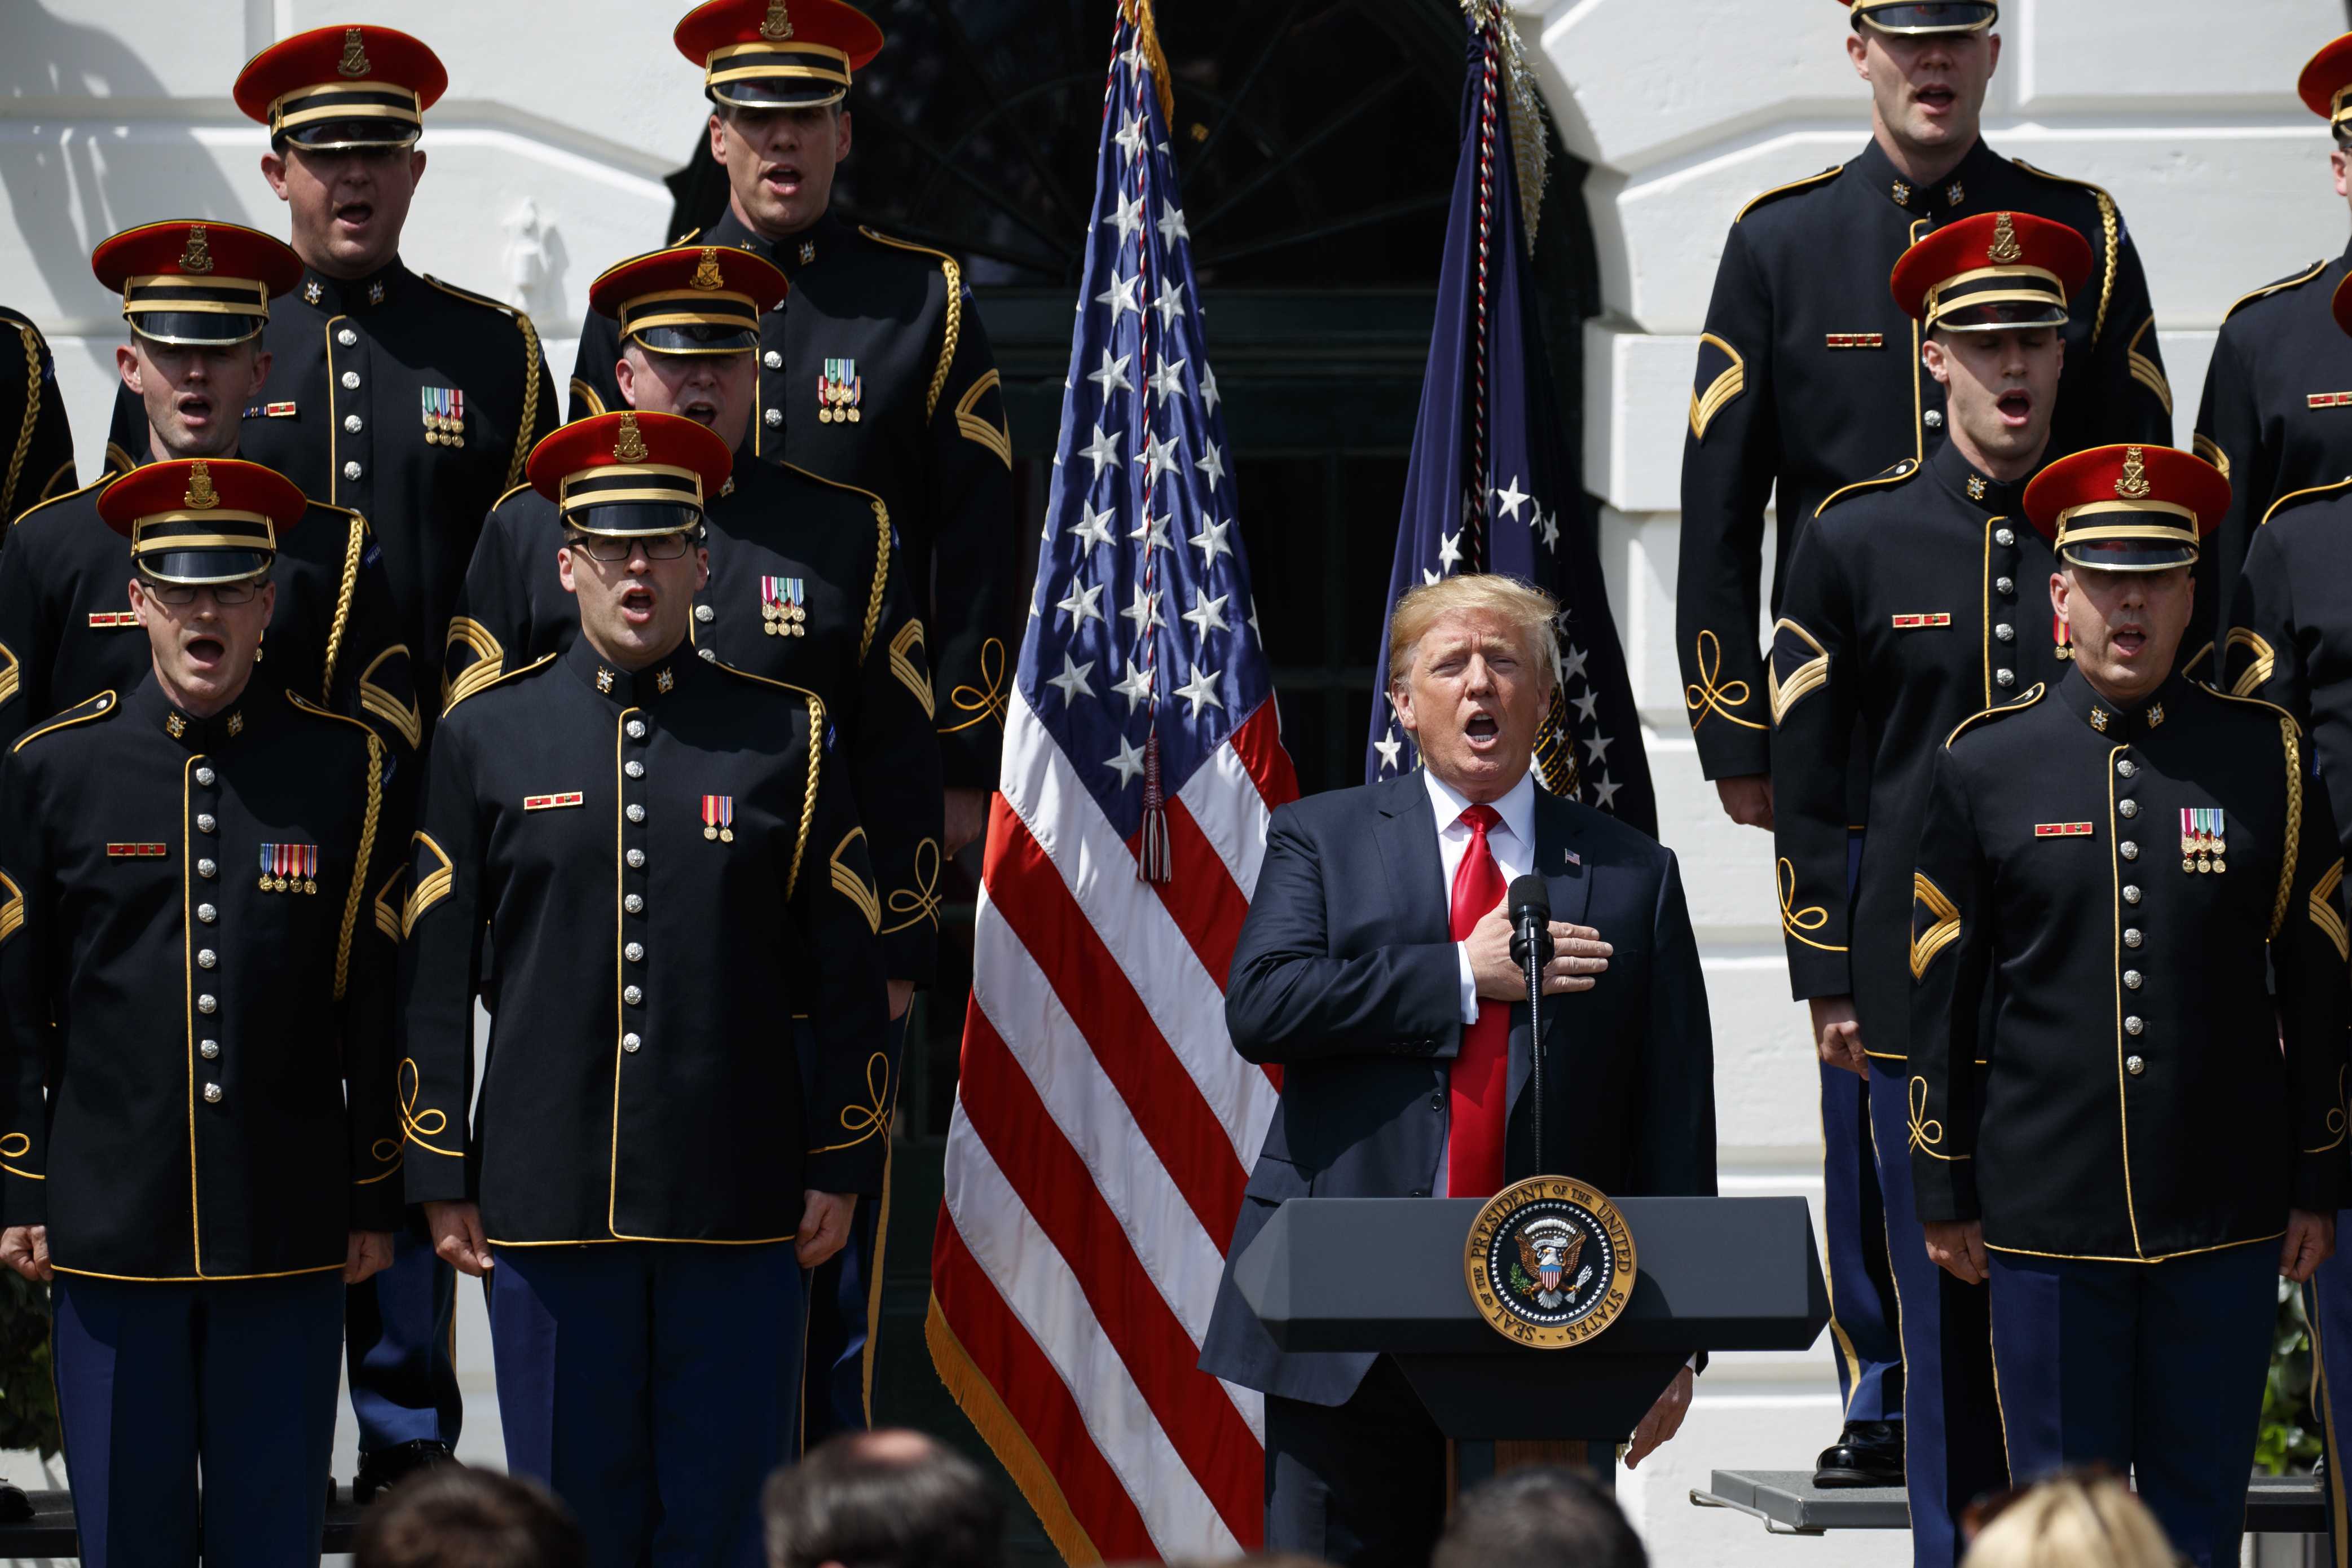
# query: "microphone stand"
[[1538, 951]]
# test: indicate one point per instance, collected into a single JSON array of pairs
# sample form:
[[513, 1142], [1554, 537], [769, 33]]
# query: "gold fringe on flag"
[[1530, 139], [1147, 38]]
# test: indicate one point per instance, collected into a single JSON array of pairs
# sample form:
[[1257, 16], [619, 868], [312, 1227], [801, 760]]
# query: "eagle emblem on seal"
[[1549, 1251]]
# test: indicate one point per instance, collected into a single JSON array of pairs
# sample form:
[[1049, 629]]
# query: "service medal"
[[838, 392], [718, 818]]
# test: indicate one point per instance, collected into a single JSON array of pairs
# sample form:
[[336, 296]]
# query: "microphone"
[[1529, 902]]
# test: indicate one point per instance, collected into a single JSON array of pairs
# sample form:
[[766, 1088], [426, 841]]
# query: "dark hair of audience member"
[[1540, 1517], [883, 1500], [453, 1516]]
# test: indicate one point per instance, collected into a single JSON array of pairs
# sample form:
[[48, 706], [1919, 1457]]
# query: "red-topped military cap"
[[2326, 84], [337, 87], [1991, 271], [188, 282], [630, 474], [691, 299], [777, 54], [1915, 17], [2127, 508], [201, 519]]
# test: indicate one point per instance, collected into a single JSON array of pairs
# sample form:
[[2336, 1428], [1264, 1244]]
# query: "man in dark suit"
[[1375, 968]]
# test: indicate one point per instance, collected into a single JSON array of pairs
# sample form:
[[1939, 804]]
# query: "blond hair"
[[2073, 1521], [1526, 609]]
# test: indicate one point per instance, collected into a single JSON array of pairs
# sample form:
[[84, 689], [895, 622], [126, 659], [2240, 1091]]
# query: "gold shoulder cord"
[[2290, 853], [32, 418], [808, 801], [343, 607], [366, 859], [954, 275], [881, 577], [2108, 228], [530, 399]]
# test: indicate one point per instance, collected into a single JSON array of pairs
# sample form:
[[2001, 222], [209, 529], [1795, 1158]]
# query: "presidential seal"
[[1550, 1262]]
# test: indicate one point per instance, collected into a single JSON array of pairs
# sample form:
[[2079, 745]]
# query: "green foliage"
[[1520, 1282], [28, 1397], [2290, 1438]]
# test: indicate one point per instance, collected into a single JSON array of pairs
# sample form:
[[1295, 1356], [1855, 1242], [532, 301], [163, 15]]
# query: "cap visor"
[[2000, 318], [351, 135], [1928, 16], [2130, 555], [195, 328], [778, 92], [201, 568], [633, 520], [696, 339]]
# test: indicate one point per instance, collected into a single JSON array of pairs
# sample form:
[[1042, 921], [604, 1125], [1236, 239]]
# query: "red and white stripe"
[[1103, 1133]]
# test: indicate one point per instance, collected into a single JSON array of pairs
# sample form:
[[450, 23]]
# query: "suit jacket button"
[[772, 360], [630, 1043], [1436, 1102], [212, 1094], [2135, 1066], [2003, 536], [774, 416]]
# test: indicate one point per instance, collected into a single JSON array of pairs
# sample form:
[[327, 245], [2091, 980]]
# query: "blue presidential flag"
[[1490, 486]]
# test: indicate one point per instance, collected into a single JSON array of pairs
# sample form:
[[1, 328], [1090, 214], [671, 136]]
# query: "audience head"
[[883, 1500], [1471, 665], [452, 1516], [1539, 1517], [2089, 1521]]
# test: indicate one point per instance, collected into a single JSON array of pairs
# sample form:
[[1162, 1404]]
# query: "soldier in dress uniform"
[[197, 298], [415, 403], [2157, 1133], [1903, 616], [33, 420], [873, 373], [671, 870], [2276, 418], [1809, 378], [217, 1152]]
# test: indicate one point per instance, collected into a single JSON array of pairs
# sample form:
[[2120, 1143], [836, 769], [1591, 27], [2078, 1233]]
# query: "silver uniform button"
[[2128, 808], [773, 417], [2005, 632], [2130, 849], [2004, 585], [212, 1094], [707, 654], [206, 914], [634, 904], [630, 1043], [634, 953], [350, 470], [208, 1005], [637, 729], [2131, 892], [209, 1050], [2135, 1066], [632, 995], [352, 423], [2004, 536], [205, 776], [633, 768], [772, 360], [2131, 979], [347, 337], [2126, 767], [2004, 678], [2131, 936], [350, 381], [703, 613], [636, 814], [1934, 418], [207, 959], [2132, 1026], [205, 823], [208, 868], [636, 860]]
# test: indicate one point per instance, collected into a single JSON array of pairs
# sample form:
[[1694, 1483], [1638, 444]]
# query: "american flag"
[[1491, 487], [1104, 1126]]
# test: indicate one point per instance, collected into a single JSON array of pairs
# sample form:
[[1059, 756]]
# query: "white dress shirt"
[[1512, 841]]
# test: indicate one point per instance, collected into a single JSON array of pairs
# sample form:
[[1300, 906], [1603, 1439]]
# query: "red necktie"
[[1481, 1073]]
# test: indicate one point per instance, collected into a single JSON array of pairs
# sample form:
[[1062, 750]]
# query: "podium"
[[1386, 1274]]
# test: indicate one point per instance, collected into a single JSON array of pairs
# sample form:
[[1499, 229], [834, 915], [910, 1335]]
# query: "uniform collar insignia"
[[1976, 487], [1902, 194], [196, 734], [808, 251], [313, 291], [605, 681], [1955, 194], [341, 296], [2116, 724], [621, 687]]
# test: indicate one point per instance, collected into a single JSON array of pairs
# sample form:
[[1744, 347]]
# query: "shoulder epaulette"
[[97, 707], [507, 495], [2061, 179], [816, 703], [1779, 190], [2267, 290], [458, 698], [2034, 695], [688, 237], [877, 236], [99, 483], [881, 552], [531, 367], [500, 306], [2252, 703], [117, 461], [1894, 476], [312, 708], [954, 322], [2111, 226], [2291, 498]]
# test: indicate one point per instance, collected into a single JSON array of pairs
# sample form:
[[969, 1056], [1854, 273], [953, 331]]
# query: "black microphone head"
[[1529, 899]]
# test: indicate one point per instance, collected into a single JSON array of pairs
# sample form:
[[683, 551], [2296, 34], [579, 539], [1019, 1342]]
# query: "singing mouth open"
[[637, 605], [2016, 408]]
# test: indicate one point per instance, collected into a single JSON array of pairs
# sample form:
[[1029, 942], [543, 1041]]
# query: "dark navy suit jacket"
[[1345, 976]]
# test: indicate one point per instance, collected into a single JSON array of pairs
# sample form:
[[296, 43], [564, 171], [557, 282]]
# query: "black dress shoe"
[[386, 1467], [1866, 1453]]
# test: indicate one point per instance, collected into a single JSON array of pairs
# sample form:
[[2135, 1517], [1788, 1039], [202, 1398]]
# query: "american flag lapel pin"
[[1572, 858]]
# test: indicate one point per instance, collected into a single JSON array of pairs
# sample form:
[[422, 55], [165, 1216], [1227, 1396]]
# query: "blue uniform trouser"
[[844, 1302], [156, 1381], [2327, 1302], [652, 1386], [2153, 1369], [397, 1328], [1862, 1331], [1951, 1423]]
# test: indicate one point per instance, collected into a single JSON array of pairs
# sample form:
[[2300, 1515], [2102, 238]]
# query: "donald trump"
[[1375, 969]]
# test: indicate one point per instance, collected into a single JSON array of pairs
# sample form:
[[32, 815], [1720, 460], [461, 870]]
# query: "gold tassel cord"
[[1147, 39], [1531, 138]]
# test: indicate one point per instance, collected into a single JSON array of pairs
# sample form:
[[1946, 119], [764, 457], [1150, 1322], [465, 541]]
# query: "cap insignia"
[[707, 275], [778, 24], [630, 446], [200, 495], [2005, 249], [354, 61], [2133, 486], [198, 256]]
